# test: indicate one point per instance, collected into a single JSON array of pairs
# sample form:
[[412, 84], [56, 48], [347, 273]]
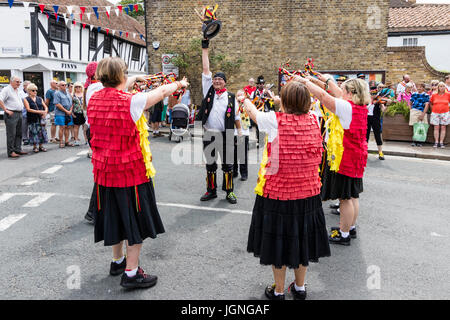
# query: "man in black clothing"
[[219, 118]]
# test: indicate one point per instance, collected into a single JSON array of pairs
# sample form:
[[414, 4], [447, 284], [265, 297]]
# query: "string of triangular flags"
[[118, 9]]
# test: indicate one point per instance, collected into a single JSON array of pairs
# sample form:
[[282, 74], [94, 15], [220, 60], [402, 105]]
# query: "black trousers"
[[375, 124], [13, 126], [212, 148], [241, 155]]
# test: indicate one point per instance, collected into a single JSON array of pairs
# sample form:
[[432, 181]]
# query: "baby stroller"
[[180, 126]]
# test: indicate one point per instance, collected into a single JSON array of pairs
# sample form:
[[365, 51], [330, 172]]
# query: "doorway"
[[38, 79]]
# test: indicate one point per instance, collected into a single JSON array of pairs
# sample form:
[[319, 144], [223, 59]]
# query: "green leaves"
[[398, 108]]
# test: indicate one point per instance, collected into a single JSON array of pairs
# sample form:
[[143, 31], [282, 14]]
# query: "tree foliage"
[[133, 13]]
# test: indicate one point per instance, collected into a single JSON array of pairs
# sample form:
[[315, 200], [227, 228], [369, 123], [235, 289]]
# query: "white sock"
[[302, 288], [131, 273], [119, 261], [352, 228], [278, 294], [344, 234]]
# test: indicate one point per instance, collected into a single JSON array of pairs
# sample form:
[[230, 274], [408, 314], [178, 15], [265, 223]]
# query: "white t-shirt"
[[344, 111], [245, 132], [370, 108], [138, 100], [216, 119]]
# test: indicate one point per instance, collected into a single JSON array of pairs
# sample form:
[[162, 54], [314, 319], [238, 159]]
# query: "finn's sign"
[[167, 65]]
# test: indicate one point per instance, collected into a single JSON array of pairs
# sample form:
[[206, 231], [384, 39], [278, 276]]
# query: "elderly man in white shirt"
[[219, 118], [12, 103]]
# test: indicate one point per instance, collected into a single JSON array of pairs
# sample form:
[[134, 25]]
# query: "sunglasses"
[[33, 90]]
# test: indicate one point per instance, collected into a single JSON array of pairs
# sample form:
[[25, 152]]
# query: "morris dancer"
[[288, 224], [218, 116], [124, 205], [346, 182]]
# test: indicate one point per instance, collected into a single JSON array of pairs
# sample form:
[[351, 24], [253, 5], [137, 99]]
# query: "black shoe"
[[231, 198], [140, 280], [270, 293], [244, 178], [352, 232], [334, 206], [208, 196], [336, 211], [235, 174], [118, 268], [413, 144], [298, 295], [337, 238], [88, 216]]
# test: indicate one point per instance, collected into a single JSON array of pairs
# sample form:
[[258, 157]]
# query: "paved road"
[[401, 251]]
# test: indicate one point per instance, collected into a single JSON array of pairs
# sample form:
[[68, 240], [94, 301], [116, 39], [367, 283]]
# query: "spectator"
[[49, 102], [378, 105], [63, 114], [70, 88], [12, 104], [447, 82], [78, 114], [402, 85], [439, 103], [157, 114], [251, 87], [419, 106], [36, 113], [434, 87], [23, 95], [406, 95], [164, 113], [186, 98]]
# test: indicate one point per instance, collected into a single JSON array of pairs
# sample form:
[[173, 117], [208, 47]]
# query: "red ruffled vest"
[[116, 152], [354, 159], [293, 169]]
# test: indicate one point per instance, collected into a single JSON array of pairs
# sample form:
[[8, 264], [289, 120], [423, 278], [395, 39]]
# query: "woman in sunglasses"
[[36, 112]]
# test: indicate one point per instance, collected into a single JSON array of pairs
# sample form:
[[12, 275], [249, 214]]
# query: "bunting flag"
[[91, 27], [69, 9], [107, 31], [108, 10], [116, 11], [83, 9], [126, 33], [48, 17], [26, 5], [120, 8], [66, 20], [131, 7], [84, 25], [55, 8], [113, 32], [42, 7], [126, 10], [10, 3], [95, 11], [142, 37], [120, 33], [136, 7], [99, 29], [88, 15], [134, 35]]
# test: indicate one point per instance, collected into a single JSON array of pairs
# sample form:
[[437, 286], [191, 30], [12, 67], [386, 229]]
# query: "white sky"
[[433, 1]]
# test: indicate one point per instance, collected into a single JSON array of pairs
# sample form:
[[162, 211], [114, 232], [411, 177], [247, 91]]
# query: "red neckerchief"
[[219, 92]]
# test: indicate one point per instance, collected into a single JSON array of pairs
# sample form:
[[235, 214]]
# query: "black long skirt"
[[288, 233], [338, 186], [126, 214]]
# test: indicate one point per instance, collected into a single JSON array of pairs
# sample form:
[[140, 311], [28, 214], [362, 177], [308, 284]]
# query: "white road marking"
[[29, 182], [52, 169], [71, 159], [83, 153], [10, 220], [6, 196], [187, 206], [38, 200]]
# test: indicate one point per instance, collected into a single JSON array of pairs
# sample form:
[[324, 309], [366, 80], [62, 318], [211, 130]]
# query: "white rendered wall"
[[15, 31], [437, 49]]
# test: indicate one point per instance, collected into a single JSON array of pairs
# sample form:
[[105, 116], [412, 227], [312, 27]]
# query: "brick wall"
[[411, 61], [267, 33]]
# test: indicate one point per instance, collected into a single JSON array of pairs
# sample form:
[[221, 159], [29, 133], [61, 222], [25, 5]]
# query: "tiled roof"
[[122, 22], [421, 17]]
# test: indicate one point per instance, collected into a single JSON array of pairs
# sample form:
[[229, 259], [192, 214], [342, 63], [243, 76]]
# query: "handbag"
[[420, 131]]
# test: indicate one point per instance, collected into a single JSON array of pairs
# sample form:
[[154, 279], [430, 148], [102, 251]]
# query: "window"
[[107, 45], [410, 42], [135, 53], [58, 30], [93, 40]]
